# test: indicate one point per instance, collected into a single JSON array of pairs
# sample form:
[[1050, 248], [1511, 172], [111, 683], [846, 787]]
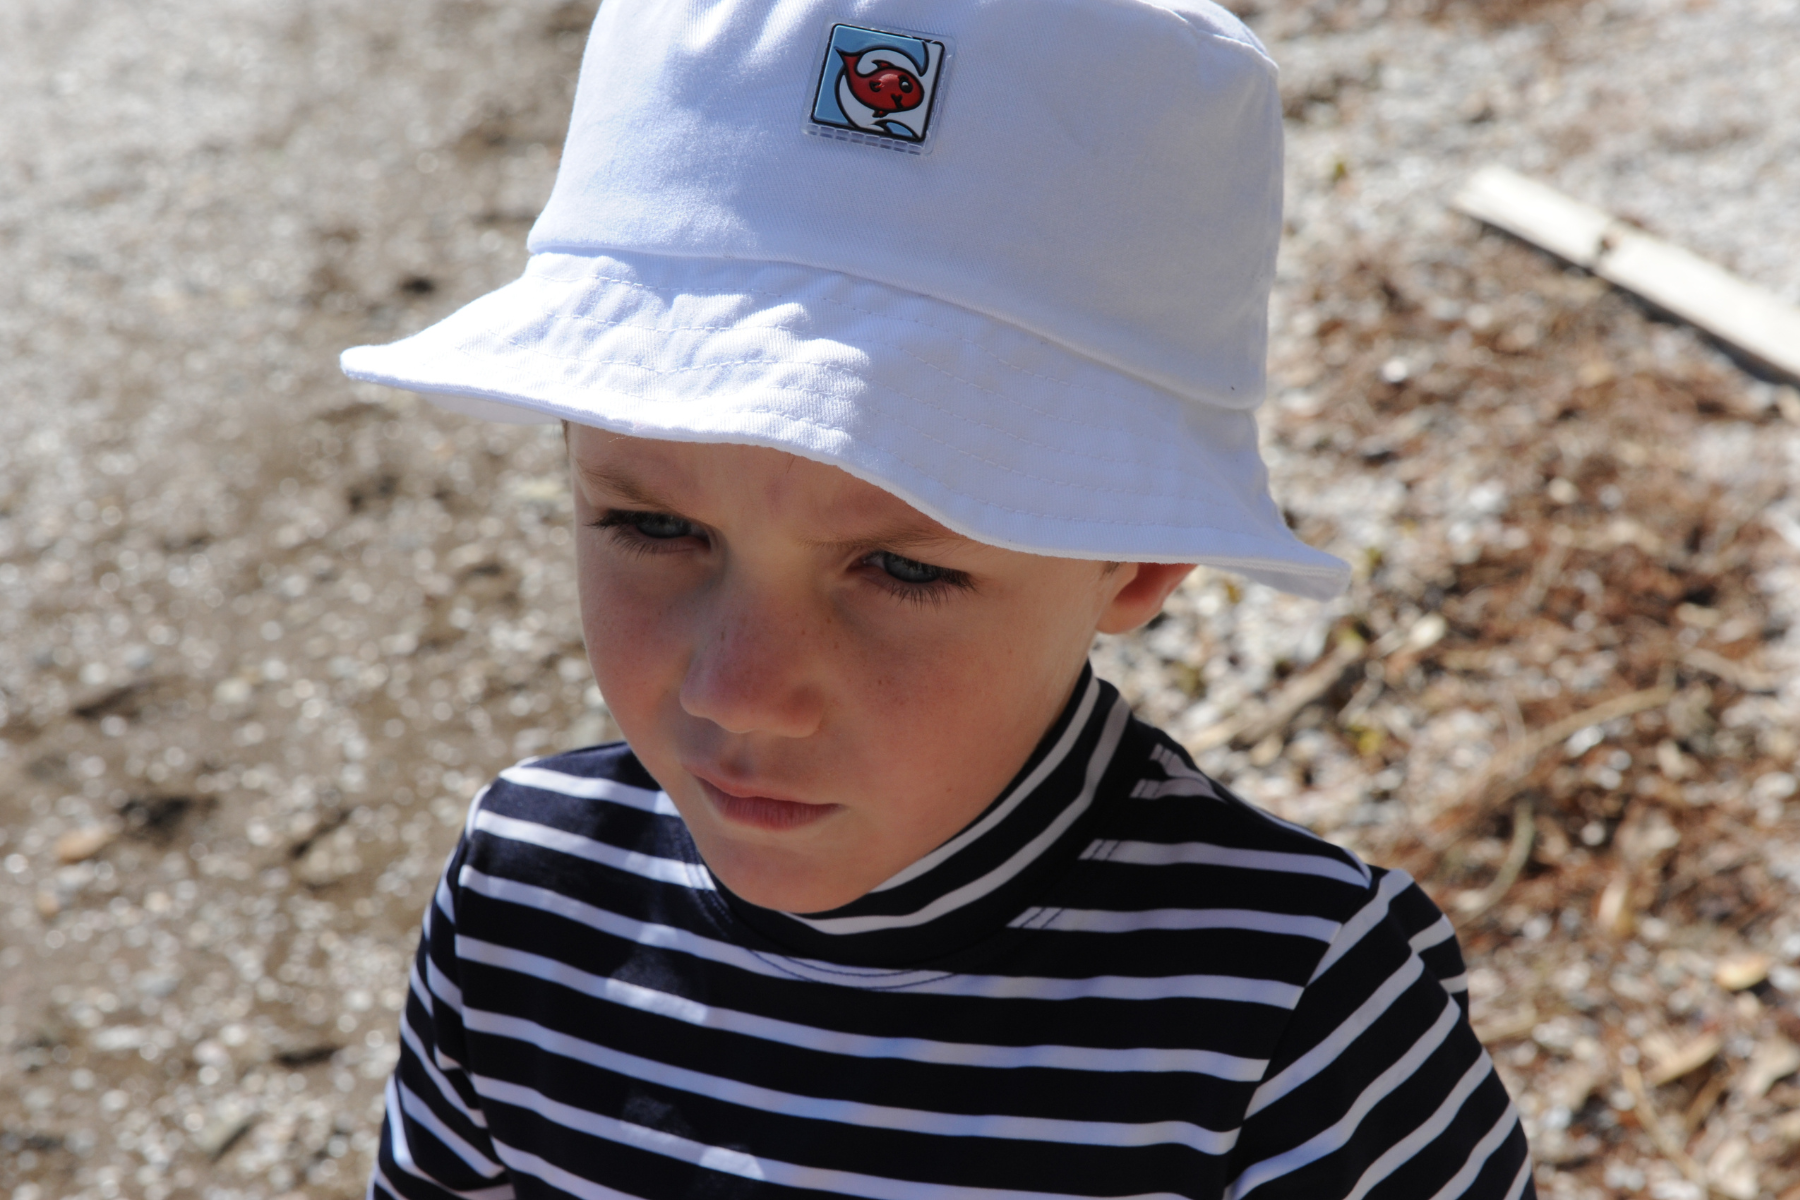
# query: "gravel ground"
[[262, 632]]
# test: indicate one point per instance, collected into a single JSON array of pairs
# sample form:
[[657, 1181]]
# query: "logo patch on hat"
[[878, 84]]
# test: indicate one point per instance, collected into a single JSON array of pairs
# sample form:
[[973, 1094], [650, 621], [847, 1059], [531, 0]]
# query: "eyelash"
[[932, 592], [626, 527]]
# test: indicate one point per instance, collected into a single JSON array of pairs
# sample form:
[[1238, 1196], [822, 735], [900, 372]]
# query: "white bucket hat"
[[1007, 259]]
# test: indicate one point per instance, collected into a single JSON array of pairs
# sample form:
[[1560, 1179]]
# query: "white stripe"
[[444, 1087], [1115, 987], [523, 1162], [1362, 868], [1183, 780], [1007, 987], [503, 1192], [1165, 854], [740, 1164], [849, 1112], [475, 807], [1326, 1052], [444, 1061], [1094, 920], [680, 941], [1340, 1132], [415, 1107], [1077, 726], [441, 986], [1456, 983], [1438, 931], [648, 866], [1366, 918], [581, 787], [396, 1126], [1484, 1150], [641, 933], [853, 1045], [403, 1155], [1404, 1149], [1022, 858], [1150, 790], [1172, 765]]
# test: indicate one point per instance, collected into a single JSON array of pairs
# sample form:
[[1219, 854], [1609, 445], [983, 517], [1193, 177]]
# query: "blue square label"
[[878, 84]]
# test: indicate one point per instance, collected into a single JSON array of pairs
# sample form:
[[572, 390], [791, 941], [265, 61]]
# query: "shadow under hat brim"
[[1000, 434]]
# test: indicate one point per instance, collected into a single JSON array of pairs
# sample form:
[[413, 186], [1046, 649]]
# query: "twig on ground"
[[1748, 508], [1503, 774], [1279, 713], [1739, 675], [1549, 569], [1510, 765], [1666, 1143], [1472, 904]]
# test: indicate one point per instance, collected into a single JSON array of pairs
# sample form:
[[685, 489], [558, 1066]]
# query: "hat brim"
[[998, 433]]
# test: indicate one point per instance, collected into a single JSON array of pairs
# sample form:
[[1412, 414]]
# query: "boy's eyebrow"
[[897, 535], [624, 486]]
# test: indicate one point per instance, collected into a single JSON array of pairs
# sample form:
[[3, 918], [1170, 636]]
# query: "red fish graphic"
[[890, 89]]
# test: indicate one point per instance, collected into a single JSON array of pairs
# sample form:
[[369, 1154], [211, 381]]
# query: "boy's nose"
[[750, 673]]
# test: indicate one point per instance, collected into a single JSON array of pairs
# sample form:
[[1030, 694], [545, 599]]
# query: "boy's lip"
[[752, 806]]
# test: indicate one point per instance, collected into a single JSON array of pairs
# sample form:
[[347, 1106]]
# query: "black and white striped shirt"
[[1120, 980]]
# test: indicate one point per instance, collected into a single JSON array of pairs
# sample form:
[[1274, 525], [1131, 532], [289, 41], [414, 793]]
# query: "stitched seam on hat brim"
[[1095, 394], [791, 299], [858, 281], [1064, 452]]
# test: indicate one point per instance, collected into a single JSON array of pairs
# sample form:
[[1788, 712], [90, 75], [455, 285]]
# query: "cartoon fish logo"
[[878, 82], [886, 86]]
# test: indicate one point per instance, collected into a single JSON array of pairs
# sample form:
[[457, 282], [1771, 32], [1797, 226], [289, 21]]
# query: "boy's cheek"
[[632, 633]]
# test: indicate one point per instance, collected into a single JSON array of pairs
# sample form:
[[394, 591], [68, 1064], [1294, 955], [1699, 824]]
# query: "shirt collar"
[[973, 884]]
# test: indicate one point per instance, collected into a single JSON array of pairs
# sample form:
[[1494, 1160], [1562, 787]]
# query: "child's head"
[[768, 629], [904, 349]]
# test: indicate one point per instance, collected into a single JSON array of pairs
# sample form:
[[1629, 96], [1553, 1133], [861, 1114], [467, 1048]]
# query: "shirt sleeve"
[[434, 1137], [1378, 1087]]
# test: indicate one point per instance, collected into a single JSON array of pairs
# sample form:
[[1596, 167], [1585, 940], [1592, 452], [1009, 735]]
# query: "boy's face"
[[827, 683]]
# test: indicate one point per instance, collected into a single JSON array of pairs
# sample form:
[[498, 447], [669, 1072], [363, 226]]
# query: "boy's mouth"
[[762, 812]]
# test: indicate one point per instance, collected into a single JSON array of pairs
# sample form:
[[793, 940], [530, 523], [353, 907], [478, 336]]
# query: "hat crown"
[[1102, 173]]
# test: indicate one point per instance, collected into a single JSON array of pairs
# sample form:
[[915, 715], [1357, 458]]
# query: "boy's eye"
[[906, 570], [648, 526], [661, 525]]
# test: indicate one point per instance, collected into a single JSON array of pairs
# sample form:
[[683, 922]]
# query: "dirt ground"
[[263, 632]]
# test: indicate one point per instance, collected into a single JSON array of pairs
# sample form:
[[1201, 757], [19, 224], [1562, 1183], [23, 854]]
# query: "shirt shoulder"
[[582, 822], [1181, 846], [585, 787], [1167, 813]]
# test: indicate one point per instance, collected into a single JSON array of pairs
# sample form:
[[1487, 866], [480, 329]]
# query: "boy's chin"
[[785, 879]]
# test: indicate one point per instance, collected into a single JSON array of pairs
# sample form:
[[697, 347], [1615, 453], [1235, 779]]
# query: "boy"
[[901, 346]]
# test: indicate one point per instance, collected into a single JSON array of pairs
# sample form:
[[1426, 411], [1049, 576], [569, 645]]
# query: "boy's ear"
[[1138, 592]]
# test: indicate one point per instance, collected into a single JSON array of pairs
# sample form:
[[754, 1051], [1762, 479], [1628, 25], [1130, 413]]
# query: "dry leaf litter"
[[263, 633]]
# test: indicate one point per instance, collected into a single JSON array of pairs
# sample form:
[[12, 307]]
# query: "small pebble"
[[79, 844], [1743, 971]]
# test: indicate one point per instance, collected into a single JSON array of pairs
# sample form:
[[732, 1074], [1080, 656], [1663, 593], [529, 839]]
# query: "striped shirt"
[[1119, 980]]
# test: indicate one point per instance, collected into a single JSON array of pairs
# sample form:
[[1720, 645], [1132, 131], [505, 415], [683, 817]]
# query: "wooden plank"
[[1756, 323], [1540, 214]]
